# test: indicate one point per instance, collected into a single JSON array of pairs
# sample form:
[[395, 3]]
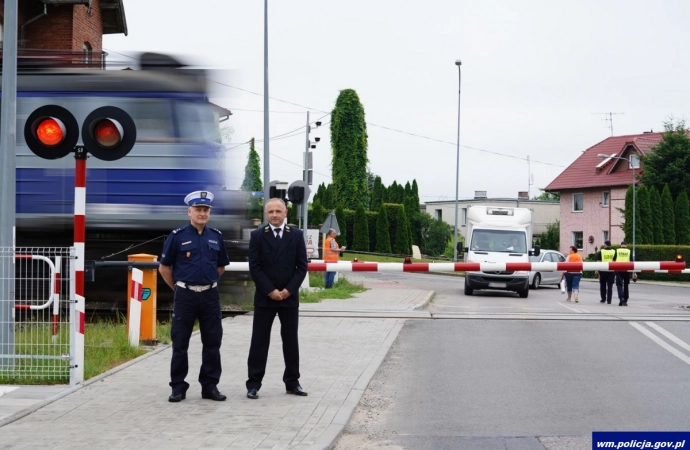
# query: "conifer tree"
[[628, 215], [360, 240], [376, 194], [682, 211], [252, 183], [668, 217], [644, 233], [657, 224], [383, 237], [402, 237]]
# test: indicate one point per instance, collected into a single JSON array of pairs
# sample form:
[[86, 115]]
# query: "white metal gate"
[[38, 329]]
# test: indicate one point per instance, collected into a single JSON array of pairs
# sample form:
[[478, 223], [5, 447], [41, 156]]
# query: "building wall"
[[543, 212], [65, 27], [593, 220]]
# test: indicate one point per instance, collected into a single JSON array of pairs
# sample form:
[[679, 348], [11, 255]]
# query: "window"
[[438, 214], [604, 235], [634, 162], [88, 54], [463, 217], [577, 239], [605, 197], [578, 202]]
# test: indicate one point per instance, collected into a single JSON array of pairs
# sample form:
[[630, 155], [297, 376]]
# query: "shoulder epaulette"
[[175, 231], [216, 230]]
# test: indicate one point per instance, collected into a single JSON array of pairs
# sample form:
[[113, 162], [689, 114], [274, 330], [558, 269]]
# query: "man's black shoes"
[[602, 301], [253, 394], [177, 397], [213, 395], [297, 390]]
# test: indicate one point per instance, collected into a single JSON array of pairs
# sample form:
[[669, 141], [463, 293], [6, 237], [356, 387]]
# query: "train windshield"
[[196, 122]]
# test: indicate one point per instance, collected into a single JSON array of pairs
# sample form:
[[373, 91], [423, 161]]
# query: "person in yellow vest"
[[622, 278], [606, 277], [331, 253]]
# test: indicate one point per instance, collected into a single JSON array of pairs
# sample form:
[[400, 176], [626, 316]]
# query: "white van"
[[496, 235]]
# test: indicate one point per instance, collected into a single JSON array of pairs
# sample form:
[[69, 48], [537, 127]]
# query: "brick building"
[[65, 32]]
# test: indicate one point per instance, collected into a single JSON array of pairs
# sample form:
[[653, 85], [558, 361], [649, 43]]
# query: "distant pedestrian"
[[606, 277], [193, 259], [572, 278], [622, 278], [277, 265], [331, 253]]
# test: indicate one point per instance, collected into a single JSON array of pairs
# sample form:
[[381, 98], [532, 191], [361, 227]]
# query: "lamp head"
[[602, 156], [458, 62]]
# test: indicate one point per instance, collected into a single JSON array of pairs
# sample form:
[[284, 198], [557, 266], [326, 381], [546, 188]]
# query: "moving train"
[[133, 202]]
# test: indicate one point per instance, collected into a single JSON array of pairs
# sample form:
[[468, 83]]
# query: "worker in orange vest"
[[331, 253]]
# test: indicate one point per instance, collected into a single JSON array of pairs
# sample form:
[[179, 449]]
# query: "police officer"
[[606, 277], [193, 259], [622, 278]]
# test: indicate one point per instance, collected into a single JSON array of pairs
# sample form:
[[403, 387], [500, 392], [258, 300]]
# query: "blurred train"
[[133, 202]]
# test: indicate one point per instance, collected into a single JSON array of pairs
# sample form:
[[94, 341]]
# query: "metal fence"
[[36, 293]]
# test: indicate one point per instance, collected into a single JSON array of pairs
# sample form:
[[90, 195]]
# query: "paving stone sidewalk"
[[127, 408]]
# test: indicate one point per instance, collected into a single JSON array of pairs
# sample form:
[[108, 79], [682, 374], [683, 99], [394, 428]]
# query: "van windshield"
[[499, 241]]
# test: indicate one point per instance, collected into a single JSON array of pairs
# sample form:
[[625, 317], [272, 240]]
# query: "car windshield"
[[499, 241]]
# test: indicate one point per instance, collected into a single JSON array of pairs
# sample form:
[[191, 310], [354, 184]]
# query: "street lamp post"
[[632, 167], [457, 168]]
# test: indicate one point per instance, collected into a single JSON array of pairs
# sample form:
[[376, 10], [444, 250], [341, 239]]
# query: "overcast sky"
[[535, 76]]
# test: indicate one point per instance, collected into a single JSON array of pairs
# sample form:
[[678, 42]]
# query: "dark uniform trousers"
[[622, 283], [261, 337], [188, 305], [606, 280]]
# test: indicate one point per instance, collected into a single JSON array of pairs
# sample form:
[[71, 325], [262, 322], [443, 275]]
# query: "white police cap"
[[199, 198]]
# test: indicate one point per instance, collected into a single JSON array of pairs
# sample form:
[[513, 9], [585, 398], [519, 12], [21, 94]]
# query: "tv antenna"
[[609, 119]]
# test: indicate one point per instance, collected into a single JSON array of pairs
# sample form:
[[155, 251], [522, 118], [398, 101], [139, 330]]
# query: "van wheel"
[[537, 281], [523, 294], [468, 290]]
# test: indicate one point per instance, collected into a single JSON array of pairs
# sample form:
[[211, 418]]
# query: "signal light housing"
[[679, 258], [51, 132], [108, 133]]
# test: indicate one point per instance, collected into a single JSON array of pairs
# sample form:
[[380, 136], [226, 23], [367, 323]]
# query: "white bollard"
[[135, 307]]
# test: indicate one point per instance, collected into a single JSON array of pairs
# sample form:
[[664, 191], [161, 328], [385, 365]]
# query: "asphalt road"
[[498, 372]]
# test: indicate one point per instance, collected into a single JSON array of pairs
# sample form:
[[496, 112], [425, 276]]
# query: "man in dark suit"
[[278, 265]]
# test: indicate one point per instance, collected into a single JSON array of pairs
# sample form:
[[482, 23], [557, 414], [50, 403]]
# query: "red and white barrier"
[[135, 307], [641, 266]]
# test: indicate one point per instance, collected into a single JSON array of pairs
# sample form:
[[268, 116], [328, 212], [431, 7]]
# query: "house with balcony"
[[592, 191]]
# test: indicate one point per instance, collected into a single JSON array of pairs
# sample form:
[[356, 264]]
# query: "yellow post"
[[147, 335]]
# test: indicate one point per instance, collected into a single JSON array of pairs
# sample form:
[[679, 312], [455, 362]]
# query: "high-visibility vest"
[[623, 255], [328, 253], [607, 255]]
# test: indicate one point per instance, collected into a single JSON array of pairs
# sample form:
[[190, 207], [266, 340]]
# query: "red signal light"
[[107, 133], [679, 258], [50, 132]]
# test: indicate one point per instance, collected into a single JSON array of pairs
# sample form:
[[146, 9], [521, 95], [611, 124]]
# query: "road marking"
[[663, 344], [679, 342], [568, 307]]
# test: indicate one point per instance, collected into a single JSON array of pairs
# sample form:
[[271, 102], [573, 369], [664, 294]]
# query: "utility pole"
[[8, 140], [267, 154], [610, 119], [307, 172]]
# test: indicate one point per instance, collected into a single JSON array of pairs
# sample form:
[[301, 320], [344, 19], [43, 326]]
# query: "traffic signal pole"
[[305, 178], [8, 139]]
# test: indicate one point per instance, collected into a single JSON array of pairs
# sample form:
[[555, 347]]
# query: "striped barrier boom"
[[641, 266]]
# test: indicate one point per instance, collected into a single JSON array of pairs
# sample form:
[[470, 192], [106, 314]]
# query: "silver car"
[[537, 279]]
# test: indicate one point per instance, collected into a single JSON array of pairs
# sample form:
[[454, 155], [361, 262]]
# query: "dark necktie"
[[277, 230]]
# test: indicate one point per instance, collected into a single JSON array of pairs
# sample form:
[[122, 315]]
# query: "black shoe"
[[625, 303], [609, 302], [602, 301], [297, 390], [253, 394], [213, 395], [177, 397], [621, 303]]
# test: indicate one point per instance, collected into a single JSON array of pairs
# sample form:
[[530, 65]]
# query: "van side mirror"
[[460, 248], [535, 252]]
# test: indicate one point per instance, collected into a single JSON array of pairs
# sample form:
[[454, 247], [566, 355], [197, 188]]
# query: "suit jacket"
[[277, 264]]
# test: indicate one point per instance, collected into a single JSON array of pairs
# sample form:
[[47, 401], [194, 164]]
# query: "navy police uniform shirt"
[[195, 257]]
